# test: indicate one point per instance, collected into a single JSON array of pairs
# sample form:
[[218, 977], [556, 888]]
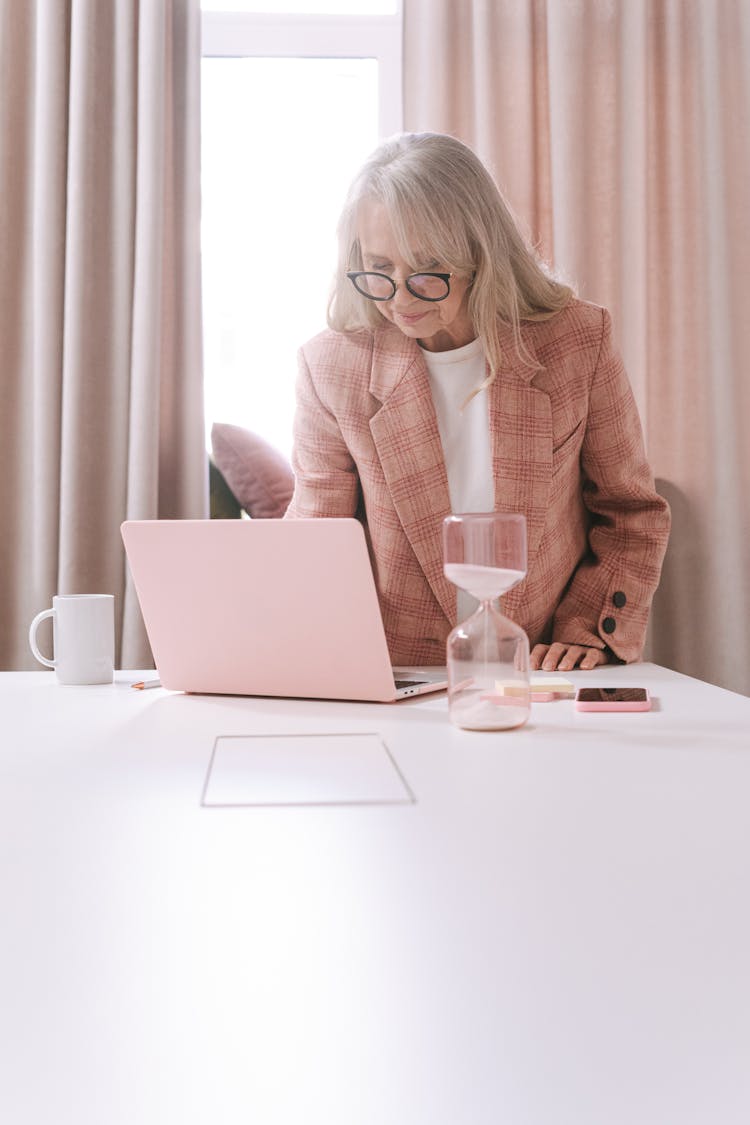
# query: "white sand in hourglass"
[[482, 582]]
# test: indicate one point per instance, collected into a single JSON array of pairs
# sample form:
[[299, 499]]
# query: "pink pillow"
[[260, 477]]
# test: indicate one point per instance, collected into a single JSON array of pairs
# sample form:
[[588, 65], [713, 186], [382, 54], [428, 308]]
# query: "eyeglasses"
[[381, 287]]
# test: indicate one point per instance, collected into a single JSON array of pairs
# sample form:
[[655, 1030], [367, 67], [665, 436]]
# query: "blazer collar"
[[394, 355]]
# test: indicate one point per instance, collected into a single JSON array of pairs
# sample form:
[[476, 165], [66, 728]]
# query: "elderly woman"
[[457, 375]]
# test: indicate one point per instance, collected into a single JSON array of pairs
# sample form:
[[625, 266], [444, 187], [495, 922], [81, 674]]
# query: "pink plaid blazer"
[[567, 451]]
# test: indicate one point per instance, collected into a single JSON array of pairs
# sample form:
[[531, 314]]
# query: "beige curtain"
[[620, 132], [101, 417]]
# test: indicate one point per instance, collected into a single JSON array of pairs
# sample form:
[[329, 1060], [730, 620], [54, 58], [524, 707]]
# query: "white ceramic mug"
[[83, 638]]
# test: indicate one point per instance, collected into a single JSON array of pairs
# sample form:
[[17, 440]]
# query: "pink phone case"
[[614, 704]]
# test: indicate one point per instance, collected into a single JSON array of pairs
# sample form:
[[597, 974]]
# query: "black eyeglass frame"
[[353, 276]]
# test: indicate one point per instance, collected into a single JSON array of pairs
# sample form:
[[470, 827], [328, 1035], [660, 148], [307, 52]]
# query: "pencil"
[[141, 685]]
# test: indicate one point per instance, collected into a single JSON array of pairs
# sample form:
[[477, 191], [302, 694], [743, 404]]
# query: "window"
[[292, 102]]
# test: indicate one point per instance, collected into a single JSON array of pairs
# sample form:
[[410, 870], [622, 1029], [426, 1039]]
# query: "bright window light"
[[281, 140]]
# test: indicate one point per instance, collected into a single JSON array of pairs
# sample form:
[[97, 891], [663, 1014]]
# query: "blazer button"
[[609, 624], [619, 599]]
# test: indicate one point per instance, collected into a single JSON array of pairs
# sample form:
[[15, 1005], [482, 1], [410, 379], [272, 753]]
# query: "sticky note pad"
[[552, 688]]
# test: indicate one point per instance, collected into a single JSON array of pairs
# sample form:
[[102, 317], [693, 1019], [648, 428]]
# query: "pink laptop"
[[266, 607]]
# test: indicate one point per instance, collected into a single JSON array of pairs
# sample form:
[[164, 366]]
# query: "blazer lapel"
[[407, 440], [520, 416]]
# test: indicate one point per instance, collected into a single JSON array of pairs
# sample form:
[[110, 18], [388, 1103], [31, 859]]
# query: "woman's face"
[[438, 326]]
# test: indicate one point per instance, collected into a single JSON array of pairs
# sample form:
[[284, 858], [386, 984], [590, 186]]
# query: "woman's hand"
[[564, 658]]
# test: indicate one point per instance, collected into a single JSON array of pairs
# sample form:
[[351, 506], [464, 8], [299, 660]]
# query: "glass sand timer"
[[487, 654]]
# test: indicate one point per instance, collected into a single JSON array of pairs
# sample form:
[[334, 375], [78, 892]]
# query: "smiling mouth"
[[413, 318]]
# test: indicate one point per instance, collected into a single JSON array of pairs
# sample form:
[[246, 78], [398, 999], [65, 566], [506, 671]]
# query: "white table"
[[554, 930]]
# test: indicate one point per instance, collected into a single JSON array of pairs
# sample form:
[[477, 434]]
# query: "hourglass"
[[488, 654]]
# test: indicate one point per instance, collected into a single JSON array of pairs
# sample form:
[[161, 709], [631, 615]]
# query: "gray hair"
[[444, 205]]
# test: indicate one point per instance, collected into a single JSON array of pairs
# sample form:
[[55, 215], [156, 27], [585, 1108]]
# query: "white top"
[[464, 434]]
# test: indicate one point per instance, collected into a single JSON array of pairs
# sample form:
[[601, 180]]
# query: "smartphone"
[[613, 699]]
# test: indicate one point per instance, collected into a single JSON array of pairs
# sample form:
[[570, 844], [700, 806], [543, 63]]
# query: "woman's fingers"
[[561, 657]]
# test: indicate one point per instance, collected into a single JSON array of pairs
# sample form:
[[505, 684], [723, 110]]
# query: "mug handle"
[[32, 637]]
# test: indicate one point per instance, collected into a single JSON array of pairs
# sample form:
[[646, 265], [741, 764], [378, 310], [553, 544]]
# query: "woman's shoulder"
[[329, 343], [364, 340], [352, 350], [579, 327], [576, 315]]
